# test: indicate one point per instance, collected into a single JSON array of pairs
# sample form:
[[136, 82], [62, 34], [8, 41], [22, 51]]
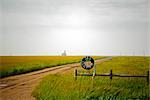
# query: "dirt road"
[[20, 87]]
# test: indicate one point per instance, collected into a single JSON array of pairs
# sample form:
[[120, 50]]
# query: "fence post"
[[94, 72], [111, 75], [147, 77], [75, 75]]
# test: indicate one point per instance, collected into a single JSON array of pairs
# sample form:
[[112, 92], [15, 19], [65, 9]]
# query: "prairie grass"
[[65, 87], [13, 65]]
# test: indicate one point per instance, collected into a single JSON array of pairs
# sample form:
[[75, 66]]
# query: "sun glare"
[[77, 18], [74, 34]]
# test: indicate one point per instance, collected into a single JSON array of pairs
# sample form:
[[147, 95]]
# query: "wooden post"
[[147, 77], [111, 75], [94, 72], [75, 75]]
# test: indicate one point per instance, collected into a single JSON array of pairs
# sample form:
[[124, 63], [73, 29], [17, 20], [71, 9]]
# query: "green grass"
[[64, 87], [13, 65]]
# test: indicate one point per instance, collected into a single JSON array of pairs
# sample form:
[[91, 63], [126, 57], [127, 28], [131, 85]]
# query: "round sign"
[[87, 63]]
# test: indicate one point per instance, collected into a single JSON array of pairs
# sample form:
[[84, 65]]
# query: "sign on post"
[[87, 63]]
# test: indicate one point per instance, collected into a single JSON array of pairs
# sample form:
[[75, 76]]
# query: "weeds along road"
[[20, 87]]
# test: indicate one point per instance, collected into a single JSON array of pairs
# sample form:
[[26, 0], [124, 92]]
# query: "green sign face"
[[87, 63]]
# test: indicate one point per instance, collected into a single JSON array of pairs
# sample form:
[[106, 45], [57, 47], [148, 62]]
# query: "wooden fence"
[[111, 75]]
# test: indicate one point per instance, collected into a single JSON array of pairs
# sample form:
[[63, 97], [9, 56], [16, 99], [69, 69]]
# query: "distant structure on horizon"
[[64, 53]]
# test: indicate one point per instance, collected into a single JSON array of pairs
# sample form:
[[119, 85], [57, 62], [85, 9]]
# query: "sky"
[[81, 27]]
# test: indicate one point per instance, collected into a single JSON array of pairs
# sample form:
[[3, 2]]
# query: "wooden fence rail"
[[111, 75]]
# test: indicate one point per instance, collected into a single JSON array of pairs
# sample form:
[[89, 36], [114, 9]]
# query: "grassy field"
[[65, 87], [13, 65]]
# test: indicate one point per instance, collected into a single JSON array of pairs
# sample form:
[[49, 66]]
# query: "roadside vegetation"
[[13, 65], [65, 87]]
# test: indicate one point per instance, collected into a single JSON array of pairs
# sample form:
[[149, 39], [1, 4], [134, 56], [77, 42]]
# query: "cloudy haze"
[[81, 27]]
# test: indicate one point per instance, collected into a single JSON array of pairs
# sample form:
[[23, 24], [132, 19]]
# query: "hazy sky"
[[81, 27]]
